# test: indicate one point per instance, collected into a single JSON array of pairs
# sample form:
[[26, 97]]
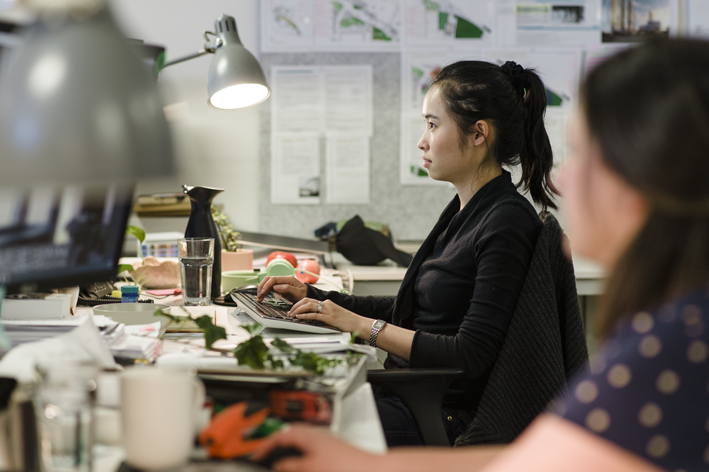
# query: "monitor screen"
[[53, 237]]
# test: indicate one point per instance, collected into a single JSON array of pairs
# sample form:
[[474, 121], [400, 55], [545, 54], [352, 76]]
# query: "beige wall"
[[215, 148]]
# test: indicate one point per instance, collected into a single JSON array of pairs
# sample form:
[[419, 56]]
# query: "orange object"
[[301, 405], [224, 437]]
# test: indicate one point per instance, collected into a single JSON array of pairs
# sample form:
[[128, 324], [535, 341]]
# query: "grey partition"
[[410, 211]]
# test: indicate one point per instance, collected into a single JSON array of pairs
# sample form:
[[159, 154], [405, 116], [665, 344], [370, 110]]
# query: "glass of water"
[[65, 411], [196, 261]]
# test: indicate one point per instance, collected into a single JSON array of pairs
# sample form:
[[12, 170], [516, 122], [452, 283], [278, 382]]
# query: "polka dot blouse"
[[648, 388]]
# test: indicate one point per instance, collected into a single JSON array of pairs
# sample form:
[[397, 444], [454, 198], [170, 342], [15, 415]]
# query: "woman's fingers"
[[308, 306], [287, 286]]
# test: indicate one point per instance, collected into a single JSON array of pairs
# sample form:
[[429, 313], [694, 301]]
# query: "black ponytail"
[[513, 101], [536, 156]]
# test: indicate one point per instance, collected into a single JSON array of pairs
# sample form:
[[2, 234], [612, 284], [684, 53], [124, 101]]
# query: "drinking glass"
[[196, 261], [65, 411]]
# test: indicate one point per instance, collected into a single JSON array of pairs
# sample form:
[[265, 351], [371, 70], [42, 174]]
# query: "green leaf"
[[140, 234], [353, 337], [253, 328], [212, 333], [124, 267], [282, 346], [252, 353]]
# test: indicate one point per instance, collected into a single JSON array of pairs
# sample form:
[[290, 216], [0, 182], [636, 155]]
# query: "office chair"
[[422, 391], [544, 347]]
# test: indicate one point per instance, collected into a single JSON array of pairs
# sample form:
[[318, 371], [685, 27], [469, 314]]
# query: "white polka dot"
[[586, 391], [596, 363], [650, 415], [697, 352], [658, 446], [691, 314], [598, 420], [619, 376], [667, 382], [642, 322], [650, 346], [667, 313], [694, 330]]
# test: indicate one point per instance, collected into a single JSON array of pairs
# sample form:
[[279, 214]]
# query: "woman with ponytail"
[[638, 200], [459, 293]]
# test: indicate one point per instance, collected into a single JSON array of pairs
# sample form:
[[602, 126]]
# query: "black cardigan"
[[544, 348], [461, 287]]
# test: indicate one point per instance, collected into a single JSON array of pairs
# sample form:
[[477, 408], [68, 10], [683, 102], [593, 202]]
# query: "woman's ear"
[[481, 132]]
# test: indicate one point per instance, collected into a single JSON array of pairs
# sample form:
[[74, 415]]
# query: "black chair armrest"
[[422, 391]]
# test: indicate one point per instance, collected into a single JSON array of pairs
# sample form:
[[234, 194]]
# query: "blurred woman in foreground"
[[637, 201]]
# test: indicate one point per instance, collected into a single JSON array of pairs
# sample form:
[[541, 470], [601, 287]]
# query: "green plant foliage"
[[227, 235], [212, 332], [256, 355], [252, 353]]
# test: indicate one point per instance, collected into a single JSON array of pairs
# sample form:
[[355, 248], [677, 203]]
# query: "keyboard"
[[272, 312]]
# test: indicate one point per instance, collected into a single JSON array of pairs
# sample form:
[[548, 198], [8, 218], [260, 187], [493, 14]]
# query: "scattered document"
[[348, 99], [347, 169], [298, 100], [322, 99], [357, 25], [574, 23], [450, 23], [286, 25], [295, 169]]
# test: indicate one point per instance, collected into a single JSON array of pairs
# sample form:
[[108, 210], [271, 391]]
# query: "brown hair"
[[648, 109]]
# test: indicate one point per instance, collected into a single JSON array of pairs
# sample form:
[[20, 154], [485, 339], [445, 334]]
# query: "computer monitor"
[[53, 237]]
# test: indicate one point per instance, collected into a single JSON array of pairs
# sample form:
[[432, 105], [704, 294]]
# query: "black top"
[[462, 287], [648, 389]]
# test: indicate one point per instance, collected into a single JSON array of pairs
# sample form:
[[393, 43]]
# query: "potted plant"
[[234, 257]]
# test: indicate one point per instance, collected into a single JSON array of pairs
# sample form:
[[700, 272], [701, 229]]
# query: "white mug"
[[159, 410]]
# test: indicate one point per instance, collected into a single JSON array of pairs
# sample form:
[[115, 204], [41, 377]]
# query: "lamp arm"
[[197, 54]]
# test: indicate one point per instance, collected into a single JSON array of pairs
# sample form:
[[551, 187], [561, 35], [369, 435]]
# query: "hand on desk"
[[321, 451], [288, 287]]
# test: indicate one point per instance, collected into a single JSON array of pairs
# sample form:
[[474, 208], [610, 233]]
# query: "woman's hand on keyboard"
[[331, 314], [288, 287]]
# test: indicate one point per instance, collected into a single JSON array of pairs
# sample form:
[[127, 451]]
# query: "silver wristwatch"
[[377, 326]]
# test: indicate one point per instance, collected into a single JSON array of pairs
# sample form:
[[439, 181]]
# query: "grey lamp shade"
[[235, 78], [77, 104]]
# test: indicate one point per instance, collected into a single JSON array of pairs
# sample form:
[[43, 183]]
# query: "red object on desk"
[[165, 292], [224, 437]]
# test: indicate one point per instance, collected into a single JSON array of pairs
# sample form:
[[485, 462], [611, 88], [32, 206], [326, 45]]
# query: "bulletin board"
[[410, 211], [405, 42]]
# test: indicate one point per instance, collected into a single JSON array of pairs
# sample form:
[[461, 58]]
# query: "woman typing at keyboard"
[[459, 293], [637, 201]]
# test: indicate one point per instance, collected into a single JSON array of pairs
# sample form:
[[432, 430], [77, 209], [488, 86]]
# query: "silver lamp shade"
[[235, 78], [77, 104]]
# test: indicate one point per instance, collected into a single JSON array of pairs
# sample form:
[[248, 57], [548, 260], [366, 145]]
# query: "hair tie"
[[520, 80]]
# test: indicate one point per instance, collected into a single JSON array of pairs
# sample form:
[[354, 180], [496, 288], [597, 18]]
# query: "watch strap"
[[377, 326]]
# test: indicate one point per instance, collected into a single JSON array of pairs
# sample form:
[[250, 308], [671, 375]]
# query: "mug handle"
[[201, 416]]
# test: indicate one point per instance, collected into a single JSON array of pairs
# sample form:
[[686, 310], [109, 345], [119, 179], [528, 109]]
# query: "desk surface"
[[589, 275]]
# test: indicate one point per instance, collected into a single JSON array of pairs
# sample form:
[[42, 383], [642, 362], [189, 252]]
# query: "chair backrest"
[[545, 345]]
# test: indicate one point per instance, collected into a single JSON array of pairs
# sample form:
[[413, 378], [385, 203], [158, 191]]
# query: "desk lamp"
[[77, 104], [235, 78]]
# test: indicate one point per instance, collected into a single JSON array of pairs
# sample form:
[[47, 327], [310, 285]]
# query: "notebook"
[[272, 312]]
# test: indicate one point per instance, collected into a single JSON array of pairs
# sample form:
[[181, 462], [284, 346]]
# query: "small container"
[[129, 294]]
